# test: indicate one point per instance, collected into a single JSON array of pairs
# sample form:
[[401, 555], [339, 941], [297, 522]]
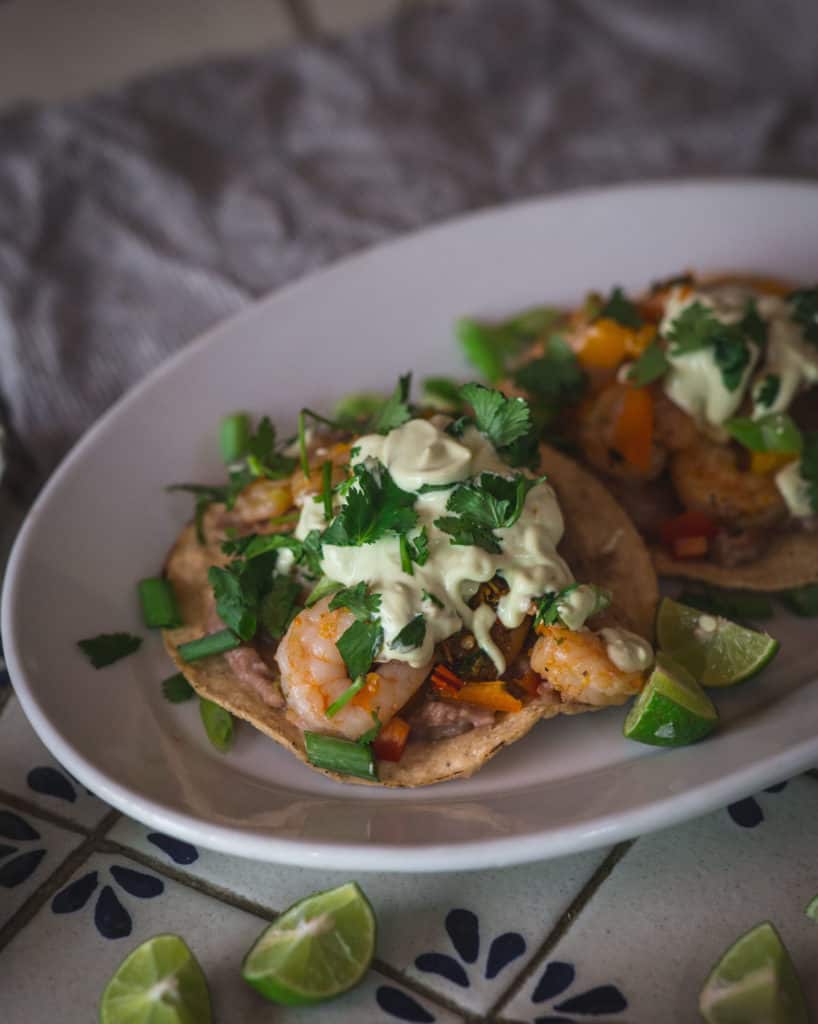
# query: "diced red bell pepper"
[[391, 740], [689, 534]]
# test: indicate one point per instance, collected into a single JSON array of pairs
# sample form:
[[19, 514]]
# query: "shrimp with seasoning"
[[576, 665], [313, 676], [707, 478]]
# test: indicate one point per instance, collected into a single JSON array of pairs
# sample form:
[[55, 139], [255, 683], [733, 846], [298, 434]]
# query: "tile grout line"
[[55, 880], [231, 899], [20, 803], [563, 925]]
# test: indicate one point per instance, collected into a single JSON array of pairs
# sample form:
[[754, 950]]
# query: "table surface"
[[624, 933]]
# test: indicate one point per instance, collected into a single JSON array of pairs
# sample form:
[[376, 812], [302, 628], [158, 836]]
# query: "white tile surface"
[[52, 49], [680, 898], [56, 969], [30, 850], [412, 910], [29, 771]]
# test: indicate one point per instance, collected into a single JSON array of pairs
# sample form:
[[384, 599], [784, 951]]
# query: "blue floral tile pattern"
[[177, 850], [19, 861], [554, 982], [462, 927], [28, 771], [111, 917]]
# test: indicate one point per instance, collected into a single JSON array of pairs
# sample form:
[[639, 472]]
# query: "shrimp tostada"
[[387, 600], [695, 404]]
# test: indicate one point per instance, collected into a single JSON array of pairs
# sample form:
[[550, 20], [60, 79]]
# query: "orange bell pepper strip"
[[633, 430], [446, 682], [607, 343], [389, 744], [490, 695]]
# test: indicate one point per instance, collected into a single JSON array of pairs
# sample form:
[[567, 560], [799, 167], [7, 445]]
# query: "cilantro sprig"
[[775, 432], [411, 636], [375, 507], [555, 379], [650, 366], [361, 642], [482, 505], [106, 648], [506, 422], [767, 390], [696, 328], [804, 311], [619, 307], [490, 346]]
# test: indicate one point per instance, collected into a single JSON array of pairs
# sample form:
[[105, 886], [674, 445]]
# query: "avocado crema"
[[476, 518]]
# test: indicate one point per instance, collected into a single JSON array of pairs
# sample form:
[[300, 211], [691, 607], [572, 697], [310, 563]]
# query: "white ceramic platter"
[[104, 521]]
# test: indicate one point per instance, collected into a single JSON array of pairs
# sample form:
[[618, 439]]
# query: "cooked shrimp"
[[313, 676], [256, 505], [576, 665], [708, 479], [674, 429], [597, 426]]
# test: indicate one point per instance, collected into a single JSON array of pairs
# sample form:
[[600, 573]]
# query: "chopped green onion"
[[802, 600], [234, 433], [176, 689], [218, 724], [326, 489], [481, 348], [321, 589], [302, 442], [405, 559], [342, 756], [158, 601], [346, 697], [213, 643], [359, 406]]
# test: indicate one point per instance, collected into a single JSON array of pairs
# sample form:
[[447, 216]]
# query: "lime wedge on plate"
[[317, 949], [161, 982], [672, 710], [715, 650], [811, 909], [754, 983]]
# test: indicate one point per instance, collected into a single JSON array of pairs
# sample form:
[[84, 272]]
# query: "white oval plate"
[[104, 521]]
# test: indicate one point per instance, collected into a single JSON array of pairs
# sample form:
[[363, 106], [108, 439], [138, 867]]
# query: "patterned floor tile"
[[642, 948], [30, 849], [28, 770], [57, 967], [464, 935]]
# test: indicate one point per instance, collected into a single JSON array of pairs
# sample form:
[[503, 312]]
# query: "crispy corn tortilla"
[[600, 544], [791, 560]]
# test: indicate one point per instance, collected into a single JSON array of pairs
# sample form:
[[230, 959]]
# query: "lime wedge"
[[754, 983], [811, 909], [672, 710], [715, 650], [161, 982], [319, 948]]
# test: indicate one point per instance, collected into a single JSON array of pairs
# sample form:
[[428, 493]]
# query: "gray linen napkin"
[[130, 222]]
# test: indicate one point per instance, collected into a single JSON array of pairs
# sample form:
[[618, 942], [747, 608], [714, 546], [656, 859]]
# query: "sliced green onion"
[[405, 559], [234, 433], [342, 756], [159, 609], [218, 724], [213, 643], [326, 489], [321, 589], [802, 600], [346, 697]]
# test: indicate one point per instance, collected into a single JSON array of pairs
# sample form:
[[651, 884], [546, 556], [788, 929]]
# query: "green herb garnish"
[[555, 379], [620, 308], [218, 724], [371, 734], [696, 327], [176, 689], [411, 636], [360, 642], [809, 467], [753, 325], [775, 432], [802, 600], [767, 390], [212, 643], [234, 433], [395, 411], [488, 347], [375, 507], [804, 311], [650, 366], [358, 600], [107, 648], [343, 756], [442, 393], [279, 606], [506, 422], [346, 697], [159, 608], [482, 505]]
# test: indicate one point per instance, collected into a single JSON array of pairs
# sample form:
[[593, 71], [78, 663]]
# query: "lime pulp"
[[754, 982], [319, 948], [715, 650], [160, 982], [672, 710]]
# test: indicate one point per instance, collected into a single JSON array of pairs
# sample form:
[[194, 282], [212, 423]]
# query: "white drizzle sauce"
[[629, 652]]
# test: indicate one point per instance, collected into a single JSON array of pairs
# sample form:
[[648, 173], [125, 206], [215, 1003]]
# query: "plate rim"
[[390, 857]]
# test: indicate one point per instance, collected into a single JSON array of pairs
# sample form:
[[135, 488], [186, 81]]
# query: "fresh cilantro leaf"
[[359, 645], [442, 393], [548, 607], [375, 507], [555, 379], [503, 420], [650, 366], [107, 648], [418, 547], [176, 689], [767, 390], [357, 408], [775, 432], [311, 554], [804, 311], [411, 636], [488, 346], [395, 410], [753, 325], [363, 605], [236, 604], [489, 502], [620, 308], [279, 606], [696, 327], [809, 467], [429, 596], [323, 587], [371, 734]]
